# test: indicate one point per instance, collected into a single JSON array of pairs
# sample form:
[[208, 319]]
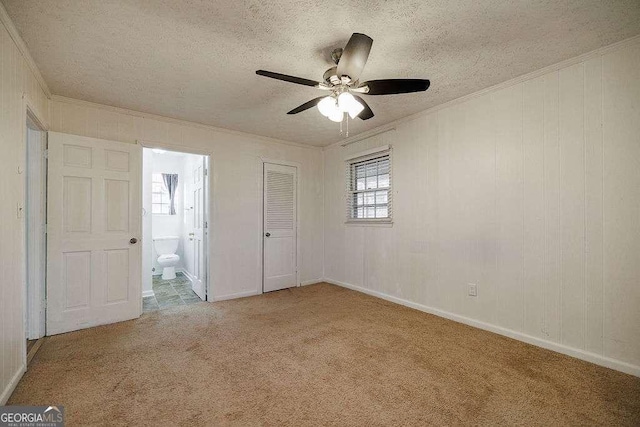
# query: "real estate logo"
[[31, 416]]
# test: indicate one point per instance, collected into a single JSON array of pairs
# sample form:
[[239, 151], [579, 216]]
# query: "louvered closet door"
[[280, 219]]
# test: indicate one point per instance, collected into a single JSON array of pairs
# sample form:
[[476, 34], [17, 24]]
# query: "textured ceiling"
[[195, 59]]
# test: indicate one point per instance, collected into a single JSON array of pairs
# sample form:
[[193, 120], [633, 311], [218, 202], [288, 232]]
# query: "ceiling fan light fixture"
[[327, 106], [349, 104], [337, 116], [355, 109], [345, 100]]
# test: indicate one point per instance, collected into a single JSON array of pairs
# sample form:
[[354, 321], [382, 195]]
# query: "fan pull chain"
[[347, 121], [341, 128]]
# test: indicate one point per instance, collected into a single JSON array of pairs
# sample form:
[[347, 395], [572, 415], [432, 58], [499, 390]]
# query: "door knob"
[[133, 241], [267, 234]]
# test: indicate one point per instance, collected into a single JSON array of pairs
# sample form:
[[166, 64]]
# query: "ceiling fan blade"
[[395, 86], [365, 114], [306, 105], [286, 78], [354, 56]]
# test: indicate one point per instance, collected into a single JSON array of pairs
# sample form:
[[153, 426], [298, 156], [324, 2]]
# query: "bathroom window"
[[160, 200]]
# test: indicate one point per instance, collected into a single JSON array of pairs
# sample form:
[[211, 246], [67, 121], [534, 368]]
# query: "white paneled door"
[[196, 237], [280, 220], [93, 253]]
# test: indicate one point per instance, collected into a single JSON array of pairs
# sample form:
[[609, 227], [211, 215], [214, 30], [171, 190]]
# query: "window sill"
[[370, 223]]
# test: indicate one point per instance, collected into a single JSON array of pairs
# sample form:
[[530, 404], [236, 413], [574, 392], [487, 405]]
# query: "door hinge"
[[45, 153], [45, 228], [206, 172], [206, 224]]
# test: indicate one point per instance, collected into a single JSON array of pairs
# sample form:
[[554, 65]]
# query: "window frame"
[[365, 159], [163, 194]]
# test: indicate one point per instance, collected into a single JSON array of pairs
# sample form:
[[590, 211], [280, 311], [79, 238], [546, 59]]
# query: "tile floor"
[[170, 293]]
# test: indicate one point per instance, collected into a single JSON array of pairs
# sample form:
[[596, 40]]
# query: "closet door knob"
[[267, 234], [133, 241]]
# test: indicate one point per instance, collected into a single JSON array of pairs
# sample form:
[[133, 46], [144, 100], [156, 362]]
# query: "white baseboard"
[[12, 385], [186, 273], [310, 282], [148, 293], [236, 295], [549, 345]]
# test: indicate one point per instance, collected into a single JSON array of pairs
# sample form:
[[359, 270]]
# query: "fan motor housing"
[[336, 54], [331, 76]]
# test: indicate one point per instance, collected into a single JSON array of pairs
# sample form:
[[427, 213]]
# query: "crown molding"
[[22, 48], [517, 80], [66, 100]]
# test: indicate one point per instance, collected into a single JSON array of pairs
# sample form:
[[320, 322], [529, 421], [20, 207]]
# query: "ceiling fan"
[[343, 83]]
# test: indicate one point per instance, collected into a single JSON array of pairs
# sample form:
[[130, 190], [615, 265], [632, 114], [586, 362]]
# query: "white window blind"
[[369, 188]]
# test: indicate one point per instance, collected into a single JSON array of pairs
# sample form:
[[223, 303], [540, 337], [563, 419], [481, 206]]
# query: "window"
[[369, 188], [160, 200]]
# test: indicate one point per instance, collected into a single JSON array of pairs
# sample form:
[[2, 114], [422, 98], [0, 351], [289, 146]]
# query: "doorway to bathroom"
[[175, 231]]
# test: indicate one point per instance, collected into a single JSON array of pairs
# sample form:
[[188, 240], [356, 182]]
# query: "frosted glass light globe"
[[355, 109], [336, 116], [327, 106], [345, 100], [349, 104]]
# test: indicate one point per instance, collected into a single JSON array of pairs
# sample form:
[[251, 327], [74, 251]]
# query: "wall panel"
[[593, 205], [621, 202], [572, 203], [506, 105], [533, 205]]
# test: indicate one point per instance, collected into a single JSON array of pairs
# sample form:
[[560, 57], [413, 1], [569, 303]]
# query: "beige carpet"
[[317, 355]]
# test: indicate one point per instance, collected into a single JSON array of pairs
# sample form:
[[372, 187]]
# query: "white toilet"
[[166, 247]]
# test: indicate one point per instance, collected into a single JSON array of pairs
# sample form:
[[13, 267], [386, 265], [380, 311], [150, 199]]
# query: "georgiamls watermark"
[[31, 416]]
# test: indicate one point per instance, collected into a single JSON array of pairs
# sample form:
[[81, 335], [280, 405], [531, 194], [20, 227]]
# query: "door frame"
[[31, 113], [298, 167], [209, 192]]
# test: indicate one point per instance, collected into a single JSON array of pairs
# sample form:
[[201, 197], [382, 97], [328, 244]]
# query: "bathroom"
[[175, 197]]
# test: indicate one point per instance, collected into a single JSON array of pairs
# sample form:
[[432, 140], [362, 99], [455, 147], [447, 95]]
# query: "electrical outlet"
[[473, 290]]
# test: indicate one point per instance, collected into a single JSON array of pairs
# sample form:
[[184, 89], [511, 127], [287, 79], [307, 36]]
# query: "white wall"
[[236, 206], [531, 191], [16, 79]]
